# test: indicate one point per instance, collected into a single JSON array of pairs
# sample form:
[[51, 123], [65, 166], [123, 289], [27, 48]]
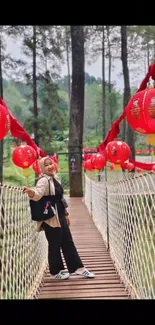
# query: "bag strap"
[[49, 187]]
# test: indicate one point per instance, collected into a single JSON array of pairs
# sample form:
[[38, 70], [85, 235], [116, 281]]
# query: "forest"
[[41, 98], [17, 98]]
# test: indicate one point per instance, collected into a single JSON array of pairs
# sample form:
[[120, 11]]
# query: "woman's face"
[[49, 167]]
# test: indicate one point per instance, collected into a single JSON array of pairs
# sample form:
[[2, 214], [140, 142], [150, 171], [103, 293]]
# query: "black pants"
[[61, 239]]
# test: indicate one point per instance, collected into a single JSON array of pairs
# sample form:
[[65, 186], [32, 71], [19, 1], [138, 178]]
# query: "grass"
[[63, 163], [13, 175]]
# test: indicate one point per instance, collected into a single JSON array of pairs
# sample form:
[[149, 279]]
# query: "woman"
[[57, 228]]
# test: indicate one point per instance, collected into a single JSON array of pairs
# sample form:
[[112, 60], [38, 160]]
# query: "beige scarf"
[[53, 222], [42, 167]]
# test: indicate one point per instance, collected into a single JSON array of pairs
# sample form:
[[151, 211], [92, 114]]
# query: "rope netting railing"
[[123, 209], [23, 251]]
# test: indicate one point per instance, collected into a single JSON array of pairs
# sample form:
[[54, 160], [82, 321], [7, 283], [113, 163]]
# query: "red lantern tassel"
[[150, 139]]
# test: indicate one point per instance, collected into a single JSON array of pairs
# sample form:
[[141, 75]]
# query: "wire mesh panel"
[[23, 251], [63, 177], [95, 200], [88, 193], [130, 224]]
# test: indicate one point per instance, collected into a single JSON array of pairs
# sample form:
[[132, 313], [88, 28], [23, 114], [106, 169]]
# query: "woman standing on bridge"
[[57, 227]]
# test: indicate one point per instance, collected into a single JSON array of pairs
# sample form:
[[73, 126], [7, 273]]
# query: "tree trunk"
[[45, 51], [127, 91], [68, 66], [76, 112], [145, 64], [103, 85], [35, 108], [148, 55], [1, 94], [109, 74]]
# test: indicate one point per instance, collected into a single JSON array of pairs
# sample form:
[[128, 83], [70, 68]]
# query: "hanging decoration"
[[138, 170], [24, 156], [117, 152], [148, 104], [130, 166], [36, 167], [87, 164], [4, 122], [112, 166], [115, 128], [98, 161], [56, 166], [140, 114]]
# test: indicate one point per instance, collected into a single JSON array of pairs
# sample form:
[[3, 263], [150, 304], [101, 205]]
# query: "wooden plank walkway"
[[89, 243]]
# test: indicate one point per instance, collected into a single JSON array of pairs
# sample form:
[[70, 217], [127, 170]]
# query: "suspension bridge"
[[113, 228]]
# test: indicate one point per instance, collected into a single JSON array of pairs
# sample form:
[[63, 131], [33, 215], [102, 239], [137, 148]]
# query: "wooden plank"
[[82, 287], [76, 294], [100, 298], [97, 277], [82, 282]]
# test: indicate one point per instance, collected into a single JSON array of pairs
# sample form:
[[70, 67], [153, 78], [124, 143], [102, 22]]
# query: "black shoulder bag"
[[42, 210]]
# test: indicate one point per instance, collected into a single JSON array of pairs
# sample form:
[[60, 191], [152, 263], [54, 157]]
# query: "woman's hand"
[[29, 191], [68, 220]]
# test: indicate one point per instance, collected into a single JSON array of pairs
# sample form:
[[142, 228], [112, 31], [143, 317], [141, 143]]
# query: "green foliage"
[[49, 98], [92, 117], [89, 79], [63, 106], [90, 140], [53, 118], [63, 83], [65, 181], [93, 113], [13, 175], [16, 103]]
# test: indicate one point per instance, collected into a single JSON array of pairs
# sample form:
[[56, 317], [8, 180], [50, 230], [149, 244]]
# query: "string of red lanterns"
[[140, 114], [117, 153]]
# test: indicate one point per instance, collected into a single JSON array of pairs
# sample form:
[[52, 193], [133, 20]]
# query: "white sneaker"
[[61, 276], [85, 273]]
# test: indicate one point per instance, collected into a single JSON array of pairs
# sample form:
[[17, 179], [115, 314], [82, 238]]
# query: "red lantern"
[[84, 164], [54, 158], [24, 156], [112, 166], [117, 151], [36, 167], [153, 168], [130, 166], [98, 161], [138, 170], [4, 122], [88, 165], [140, 113], [87, 156], [55, 166]]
